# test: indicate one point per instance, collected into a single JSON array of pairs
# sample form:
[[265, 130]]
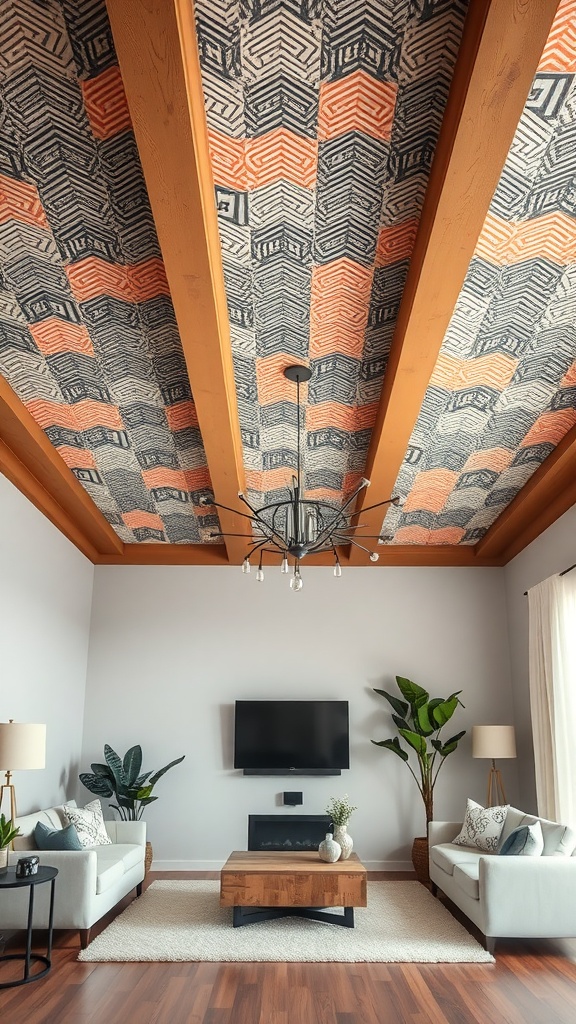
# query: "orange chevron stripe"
[[281, 155], [552, 237], [430, 490], [20, 201], [197, 479], [162, 476], [139, 518], [268, 479], [77, 458], [420, 535], [228, 159], [131, 283], [340, 301], [495, 370], [497, 459], [569, 378], [326, 494], [181, 415], [356, 103], [343, 417], [105, 103], [550, 427], [560, 51], [54, 335], [395, 242], [80, 416], [271, 382]]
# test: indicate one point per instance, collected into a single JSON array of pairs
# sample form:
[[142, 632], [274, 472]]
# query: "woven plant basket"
[[148, 857], [420, 859]]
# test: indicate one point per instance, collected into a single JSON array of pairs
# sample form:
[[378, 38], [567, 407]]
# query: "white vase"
[[344, 840], [329, 850], [3, 858]]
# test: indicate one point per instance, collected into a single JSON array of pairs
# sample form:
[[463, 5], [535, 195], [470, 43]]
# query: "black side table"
[[8, 880]]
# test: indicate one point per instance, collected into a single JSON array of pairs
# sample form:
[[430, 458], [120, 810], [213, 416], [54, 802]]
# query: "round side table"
[[8, 880]]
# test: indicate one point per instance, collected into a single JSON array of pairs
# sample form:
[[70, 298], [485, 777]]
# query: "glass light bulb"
[[284, 566], [296, 582], [337, 569], [374, 556], [245, 565], [260, 575]]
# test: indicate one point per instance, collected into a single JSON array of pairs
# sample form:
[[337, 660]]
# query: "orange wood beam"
[[33, 465], [168, 554], [549, 492], [156, 45], [501, 46]]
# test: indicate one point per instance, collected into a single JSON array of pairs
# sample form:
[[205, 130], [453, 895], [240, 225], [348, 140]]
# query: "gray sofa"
[[520, 897], [90, 882]]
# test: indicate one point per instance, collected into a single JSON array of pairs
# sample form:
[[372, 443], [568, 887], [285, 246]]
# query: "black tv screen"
[[291, 734]]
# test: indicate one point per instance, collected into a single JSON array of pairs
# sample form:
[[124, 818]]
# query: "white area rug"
[[183, 920]]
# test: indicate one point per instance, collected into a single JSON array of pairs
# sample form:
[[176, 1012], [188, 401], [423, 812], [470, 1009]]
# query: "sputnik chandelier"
[[299, 526]]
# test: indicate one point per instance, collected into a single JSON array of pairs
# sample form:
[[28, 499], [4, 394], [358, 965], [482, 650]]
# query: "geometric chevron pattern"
[[88, 338], [503, 393], [323, 118]]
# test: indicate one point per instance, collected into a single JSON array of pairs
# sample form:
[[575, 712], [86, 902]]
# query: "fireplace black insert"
[[288, 832]]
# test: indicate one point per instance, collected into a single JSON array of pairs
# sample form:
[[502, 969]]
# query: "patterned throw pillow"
[[89, 824], [524, 841], [482, 826], [56, 838]]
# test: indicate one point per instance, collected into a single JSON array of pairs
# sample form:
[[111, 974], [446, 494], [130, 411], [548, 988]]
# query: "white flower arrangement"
[[340, 810]]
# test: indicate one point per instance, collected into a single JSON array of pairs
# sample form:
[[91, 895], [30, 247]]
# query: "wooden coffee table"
[[260, 886]]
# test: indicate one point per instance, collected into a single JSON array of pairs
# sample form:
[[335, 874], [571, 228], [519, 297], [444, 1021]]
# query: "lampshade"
[[22, 746], [493, 741]]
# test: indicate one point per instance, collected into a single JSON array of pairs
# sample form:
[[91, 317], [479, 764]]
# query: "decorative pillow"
[[89, 824], [482, 826], [56, 838], [525, 841]]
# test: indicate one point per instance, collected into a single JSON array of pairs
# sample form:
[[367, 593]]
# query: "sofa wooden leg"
[[139, 889], [84, 937], [433, 888], [490, 943]]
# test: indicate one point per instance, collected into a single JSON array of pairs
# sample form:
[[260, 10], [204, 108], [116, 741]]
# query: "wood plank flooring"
[[529, 984]]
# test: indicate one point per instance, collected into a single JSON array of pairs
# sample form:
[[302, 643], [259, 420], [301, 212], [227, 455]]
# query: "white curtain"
[[552, 669]]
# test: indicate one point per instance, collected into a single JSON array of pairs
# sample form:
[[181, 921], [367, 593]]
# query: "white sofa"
[[509, 896], [89, 883]]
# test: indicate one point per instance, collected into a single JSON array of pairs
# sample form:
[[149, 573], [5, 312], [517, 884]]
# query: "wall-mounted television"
[[284, 737]]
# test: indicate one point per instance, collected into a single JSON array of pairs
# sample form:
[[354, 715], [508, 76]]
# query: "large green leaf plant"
[[418, 720], [121, 778]]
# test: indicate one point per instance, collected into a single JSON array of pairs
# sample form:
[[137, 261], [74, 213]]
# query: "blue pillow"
[[524, 841], [56, 838]]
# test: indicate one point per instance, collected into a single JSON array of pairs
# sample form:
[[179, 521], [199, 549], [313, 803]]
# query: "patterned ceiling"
[[323, 117]]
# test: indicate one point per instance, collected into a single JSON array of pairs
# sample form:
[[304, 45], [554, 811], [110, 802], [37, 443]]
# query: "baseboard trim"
[[216, 865]]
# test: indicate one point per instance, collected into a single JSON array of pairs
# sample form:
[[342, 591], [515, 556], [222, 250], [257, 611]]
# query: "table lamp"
[[494, 741], [22, 746]]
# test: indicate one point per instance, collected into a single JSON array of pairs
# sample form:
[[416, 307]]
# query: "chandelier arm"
[[257, 519], [389, 501], [227, 508], [357, 545], [218, 533], [325, 534]]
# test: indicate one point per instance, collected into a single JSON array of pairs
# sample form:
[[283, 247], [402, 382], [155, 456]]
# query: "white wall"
[[45, 599], [173, 647], [550, 553]]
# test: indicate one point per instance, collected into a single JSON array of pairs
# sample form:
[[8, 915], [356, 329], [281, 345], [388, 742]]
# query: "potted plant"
[[7, 834], [121, 778], [419, 720], [340, 811]]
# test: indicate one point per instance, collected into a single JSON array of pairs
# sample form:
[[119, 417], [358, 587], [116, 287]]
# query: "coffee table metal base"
[[249, 915]]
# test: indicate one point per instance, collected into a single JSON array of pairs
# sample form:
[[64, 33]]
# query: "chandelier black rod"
[[325, 533]]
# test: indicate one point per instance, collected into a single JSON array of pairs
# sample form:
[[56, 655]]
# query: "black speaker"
[[293, 799]]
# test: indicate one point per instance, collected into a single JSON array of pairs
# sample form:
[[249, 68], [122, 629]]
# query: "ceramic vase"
[[329, 850], [3, 859], [344, 840]]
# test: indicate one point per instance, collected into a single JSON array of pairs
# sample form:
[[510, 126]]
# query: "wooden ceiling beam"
[[549, 492], [501, 46], [33, 465], [157, 52]]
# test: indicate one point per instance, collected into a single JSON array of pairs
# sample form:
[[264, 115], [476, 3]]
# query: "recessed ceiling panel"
[[503, 393], [88, 338]]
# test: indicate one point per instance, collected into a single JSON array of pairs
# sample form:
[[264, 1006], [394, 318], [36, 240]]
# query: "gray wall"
[[45, 598], [173, 647]]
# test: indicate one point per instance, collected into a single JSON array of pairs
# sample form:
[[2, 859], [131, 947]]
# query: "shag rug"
[[183, 920]]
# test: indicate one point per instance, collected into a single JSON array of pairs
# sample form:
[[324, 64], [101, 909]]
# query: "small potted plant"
[[340, 811], [7, 834]]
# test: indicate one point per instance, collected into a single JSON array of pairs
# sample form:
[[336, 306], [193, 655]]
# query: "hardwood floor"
[[529, 984]]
